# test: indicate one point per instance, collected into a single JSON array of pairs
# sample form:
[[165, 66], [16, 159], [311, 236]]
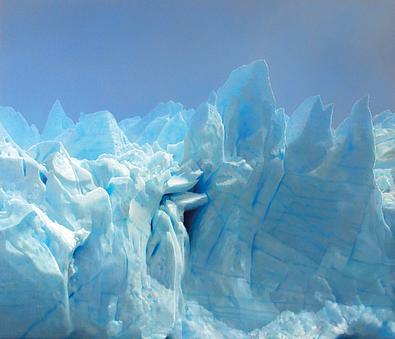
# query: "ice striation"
[[234, 220]]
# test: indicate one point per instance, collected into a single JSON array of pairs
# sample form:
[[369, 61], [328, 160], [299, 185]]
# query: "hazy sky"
[[127, 56]]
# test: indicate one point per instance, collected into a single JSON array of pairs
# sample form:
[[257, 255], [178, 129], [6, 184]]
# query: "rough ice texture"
[[231, 221]]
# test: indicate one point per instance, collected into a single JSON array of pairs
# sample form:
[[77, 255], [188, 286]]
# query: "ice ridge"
[[234, 220]]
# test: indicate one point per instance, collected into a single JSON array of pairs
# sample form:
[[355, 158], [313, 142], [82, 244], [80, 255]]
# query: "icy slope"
[[289, 227], [234, 220]]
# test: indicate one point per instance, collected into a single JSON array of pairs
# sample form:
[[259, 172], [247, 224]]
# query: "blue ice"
[[234, 220]]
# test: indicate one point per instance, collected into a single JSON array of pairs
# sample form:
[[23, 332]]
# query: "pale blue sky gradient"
[[127, 56]]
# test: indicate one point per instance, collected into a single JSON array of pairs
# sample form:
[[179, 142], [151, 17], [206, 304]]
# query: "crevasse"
[[233, 220]]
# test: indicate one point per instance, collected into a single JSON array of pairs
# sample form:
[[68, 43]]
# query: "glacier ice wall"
[[233, 220]]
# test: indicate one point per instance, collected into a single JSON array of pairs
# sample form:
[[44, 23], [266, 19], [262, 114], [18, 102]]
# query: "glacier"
[[234, 220]]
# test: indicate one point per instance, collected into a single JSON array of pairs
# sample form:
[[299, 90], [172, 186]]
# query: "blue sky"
[[127, 56]]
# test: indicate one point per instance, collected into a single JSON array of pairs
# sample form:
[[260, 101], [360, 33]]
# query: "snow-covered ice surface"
[[234, 220]]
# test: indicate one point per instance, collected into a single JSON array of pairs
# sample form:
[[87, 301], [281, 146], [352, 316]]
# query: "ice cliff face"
[[234, 220]]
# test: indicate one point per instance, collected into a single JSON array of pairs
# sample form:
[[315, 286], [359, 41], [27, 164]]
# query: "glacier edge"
[[234, 220]]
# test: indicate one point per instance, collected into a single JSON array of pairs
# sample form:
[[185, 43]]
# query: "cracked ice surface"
[[234, 220]]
